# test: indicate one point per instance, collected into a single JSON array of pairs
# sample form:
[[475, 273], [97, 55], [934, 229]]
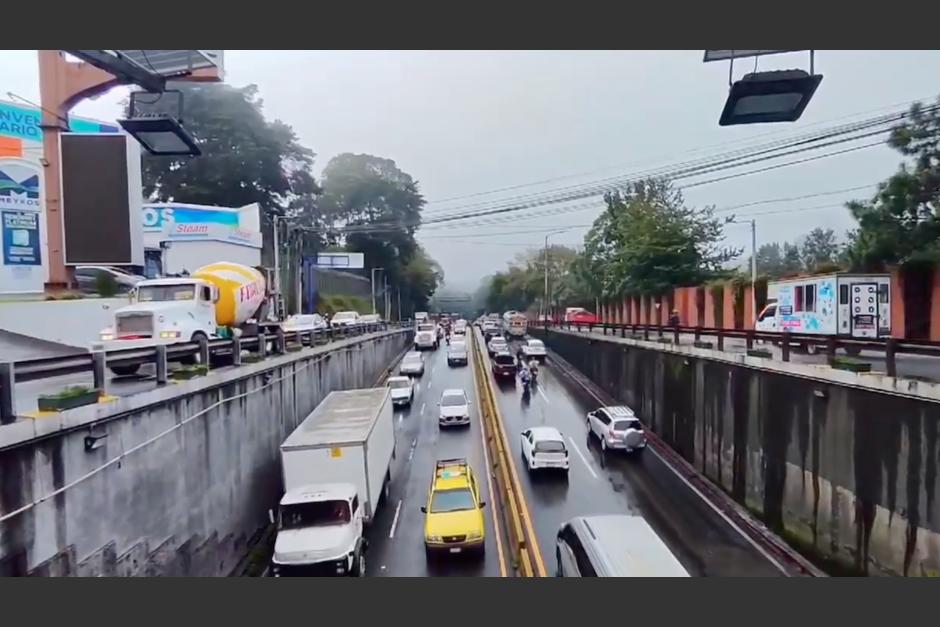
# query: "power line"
[[906, 104]]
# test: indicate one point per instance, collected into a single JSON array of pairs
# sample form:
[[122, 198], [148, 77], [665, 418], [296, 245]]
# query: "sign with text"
[[343, 261], [21, 238]]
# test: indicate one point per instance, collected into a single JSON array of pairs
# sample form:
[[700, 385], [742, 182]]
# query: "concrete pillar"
[[7, 393], [98, 362], [236, 351], [749, 314], [160, 364], [934, 306], [897, 305], [709, 320], [728, 307]]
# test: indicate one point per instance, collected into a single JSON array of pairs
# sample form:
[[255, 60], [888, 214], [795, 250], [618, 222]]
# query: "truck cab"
[[319, 532], [163, 311]]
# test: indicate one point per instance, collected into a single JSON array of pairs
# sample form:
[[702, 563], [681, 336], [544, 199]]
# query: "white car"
[[370, 319], [454, 408], [402, 390], [457, 353], [412, 364], [534, 349], [303, 323], [344, 319], [544, 447], [617, 428], [496, 345]]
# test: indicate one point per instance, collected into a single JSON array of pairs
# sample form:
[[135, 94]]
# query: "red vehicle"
[[504, 364], [580, 315]]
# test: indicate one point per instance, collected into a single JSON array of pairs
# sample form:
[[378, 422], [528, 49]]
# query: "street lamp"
[[544, 308], [372, 276]]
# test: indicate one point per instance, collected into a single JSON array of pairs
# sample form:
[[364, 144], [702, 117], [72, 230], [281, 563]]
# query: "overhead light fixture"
[[777, 96], [161, 135]]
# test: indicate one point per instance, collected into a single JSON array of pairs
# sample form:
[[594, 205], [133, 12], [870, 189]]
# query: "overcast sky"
[[462, 123]]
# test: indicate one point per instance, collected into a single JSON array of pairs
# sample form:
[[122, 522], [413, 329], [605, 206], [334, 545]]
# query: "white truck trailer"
[[848, 305], [337, 469]]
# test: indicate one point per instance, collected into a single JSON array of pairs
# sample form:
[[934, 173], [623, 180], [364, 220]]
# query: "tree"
[[819, 248], [900, 224], [245, 159], [648, 241], [792, 261], [374, 208]]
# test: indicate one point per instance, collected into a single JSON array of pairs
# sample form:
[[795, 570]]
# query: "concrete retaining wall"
[[842, 465], [44, 319], [184, 477]]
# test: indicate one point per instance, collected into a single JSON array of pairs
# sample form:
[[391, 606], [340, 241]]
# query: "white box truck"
[[337, 469], [848, 305]]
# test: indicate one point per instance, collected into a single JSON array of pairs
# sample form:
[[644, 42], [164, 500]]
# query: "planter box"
[[61, 403], [662, 340], [759, 352], [189, 373], [293, 347], [703, 344], [252, 358], [852, 365]]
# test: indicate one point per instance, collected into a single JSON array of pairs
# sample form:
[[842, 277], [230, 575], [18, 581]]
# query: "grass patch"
[[763, 353], [847, 363], [190, 372], [68, 398], [703, 344]]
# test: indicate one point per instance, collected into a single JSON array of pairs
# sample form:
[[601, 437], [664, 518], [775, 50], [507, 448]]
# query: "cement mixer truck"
[[218, 300]]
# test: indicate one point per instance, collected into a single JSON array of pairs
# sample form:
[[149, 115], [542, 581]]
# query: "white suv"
[[544, 447], [617, 428]]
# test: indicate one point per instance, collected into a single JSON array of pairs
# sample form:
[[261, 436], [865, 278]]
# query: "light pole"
[[544, 308], [372, 275], [753, 224]]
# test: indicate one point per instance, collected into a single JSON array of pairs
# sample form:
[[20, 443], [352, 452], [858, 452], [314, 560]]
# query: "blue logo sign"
[[20, 122], [156, 216], [21, 238]]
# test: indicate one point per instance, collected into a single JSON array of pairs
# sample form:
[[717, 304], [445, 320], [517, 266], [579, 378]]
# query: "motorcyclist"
[[526, 377], [520, 357], [533, 367]]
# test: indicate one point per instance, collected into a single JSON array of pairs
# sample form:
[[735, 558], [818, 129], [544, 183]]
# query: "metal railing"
[[228, 351], [812, 343]]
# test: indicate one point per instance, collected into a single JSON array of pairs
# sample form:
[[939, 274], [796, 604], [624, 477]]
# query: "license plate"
[[455, 549]]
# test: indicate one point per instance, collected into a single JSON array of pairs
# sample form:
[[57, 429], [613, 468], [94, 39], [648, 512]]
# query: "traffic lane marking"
[[583, 458], [391, 533]]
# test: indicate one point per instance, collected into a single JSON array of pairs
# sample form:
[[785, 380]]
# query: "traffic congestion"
[[419, 497]]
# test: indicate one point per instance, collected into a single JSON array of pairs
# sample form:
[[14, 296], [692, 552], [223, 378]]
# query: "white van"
[[848, 305]]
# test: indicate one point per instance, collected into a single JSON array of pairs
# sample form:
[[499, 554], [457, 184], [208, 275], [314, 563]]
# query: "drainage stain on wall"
[[846, 473]]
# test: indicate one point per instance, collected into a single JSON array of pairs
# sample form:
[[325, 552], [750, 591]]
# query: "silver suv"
[[613, 545], [617, 428]]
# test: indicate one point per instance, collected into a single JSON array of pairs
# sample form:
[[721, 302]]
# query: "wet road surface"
[[396, 537], [616, 483]]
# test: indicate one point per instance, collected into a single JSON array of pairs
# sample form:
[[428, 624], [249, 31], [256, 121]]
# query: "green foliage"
[[819, 247], [379, 206], [245, 158], [900, 224], [331, 303], [71, 391], [648, 241], [105, 284], [522, 285]]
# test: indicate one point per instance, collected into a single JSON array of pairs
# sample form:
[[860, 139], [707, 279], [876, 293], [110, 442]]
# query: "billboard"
[[21, 238], [101, 199], [341, 261]]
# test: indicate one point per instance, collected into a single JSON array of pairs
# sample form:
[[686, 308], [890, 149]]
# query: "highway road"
[[924, 367], [642, 485], [396, 537]]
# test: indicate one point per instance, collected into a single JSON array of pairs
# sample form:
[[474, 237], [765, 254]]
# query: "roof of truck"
[[345, 417], [319, 492]]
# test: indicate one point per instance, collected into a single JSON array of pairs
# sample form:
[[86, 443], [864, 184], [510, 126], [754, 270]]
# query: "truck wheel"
[[124, 371], [812, 349], [853, 351], [361, 565]]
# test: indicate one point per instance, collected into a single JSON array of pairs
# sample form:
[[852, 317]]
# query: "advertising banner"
[[21, 238]]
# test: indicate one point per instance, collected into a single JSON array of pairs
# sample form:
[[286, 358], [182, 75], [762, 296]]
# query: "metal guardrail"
[[205, 351], [525, 554], [812, 343]]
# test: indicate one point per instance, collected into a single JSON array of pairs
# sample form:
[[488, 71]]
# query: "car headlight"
[[434, 539], [474, 535], [106, 336], [169, 334]]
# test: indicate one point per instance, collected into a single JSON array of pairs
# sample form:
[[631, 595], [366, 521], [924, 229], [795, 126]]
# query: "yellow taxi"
[[453, 521]]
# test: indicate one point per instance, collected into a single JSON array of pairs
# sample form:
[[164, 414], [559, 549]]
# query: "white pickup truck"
[[337, 469]]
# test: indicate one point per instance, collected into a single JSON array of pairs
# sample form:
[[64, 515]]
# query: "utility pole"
[[754, 269], [399, 303], [543, 310], [372, 276], [277, 268], [385, 294]]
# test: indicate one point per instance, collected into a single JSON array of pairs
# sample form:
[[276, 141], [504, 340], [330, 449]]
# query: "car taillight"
[[613, 433]]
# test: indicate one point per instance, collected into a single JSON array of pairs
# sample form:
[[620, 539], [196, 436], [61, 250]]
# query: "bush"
[[331, 303], [105, 284]]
